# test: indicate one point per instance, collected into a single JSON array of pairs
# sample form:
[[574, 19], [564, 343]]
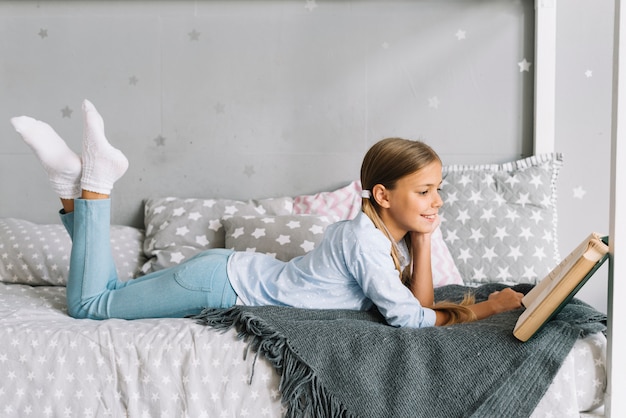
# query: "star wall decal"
[[524, 66], [194, 35], [249, 171], [219, 107], [460, 34], [385, 45], [66, 112], [579, 192], [433, 102], [159, 141], [132, 80], [43, 33], [310, 5], [588, 73]]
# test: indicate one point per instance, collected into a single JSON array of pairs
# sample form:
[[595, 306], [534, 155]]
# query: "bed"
[[58, 366]]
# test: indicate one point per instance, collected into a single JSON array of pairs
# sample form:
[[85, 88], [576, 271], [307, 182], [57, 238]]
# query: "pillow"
[[177, 229], [500, 220], [443, 267], [39, 254], [284, 237], [345, 203]]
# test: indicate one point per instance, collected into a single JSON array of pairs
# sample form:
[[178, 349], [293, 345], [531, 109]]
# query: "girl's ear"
[[381, 195]]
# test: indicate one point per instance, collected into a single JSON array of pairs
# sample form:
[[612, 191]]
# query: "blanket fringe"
[[302, 392]]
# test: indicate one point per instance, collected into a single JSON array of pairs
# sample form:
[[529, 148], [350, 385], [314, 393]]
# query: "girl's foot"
[[103, 164], [60, 162]]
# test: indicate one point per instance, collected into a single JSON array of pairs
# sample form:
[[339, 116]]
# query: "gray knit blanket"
[[337, 363]]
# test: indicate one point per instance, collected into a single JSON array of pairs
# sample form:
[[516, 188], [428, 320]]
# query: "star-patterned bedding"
[[498, 225], [55, 366]]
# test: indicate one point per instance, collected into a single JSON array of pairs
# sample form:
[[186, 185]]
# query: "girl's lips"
[[430, 217]]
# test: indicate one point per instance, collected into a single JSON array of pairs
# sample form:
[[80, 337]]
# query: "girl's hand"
[[497, 302], [415, 235], [505, 300]]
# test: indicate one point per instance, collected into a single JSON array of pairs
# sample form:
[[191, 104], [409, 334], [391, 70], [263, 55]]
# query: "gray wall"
[[583, 126], [246, 99]]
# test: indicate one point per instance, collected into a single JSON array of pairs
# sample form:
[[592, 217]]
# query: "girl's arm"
[[421, 284], [497, 302]]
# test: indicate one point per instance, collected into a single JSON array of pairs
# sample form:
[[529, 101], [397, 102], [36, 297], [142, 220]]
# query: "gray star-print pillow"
[[283, 237], [499, 221], [37, 254], [177, 228]]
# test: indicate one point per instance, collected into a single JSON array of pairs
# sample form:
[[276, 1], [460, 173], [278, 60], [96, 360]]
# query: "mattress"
[[54, 365]]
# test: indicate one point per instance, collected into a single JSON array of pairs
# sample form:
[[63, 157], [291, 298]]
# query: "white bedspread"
[[52, 365], [56, 366]]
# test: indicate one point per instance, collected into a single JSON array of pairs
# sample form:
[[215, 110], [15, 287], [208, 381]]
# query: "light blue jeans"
[[94, 290]]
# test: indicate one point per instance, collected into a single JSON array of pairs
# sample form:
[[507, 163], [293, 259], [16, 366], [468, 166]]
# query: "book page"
[[547, 283]]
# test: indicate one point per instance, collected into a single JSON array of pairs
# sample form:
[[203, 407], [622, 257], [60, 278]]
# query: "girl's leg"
[[92, 268], [200, 282], [93, 290]]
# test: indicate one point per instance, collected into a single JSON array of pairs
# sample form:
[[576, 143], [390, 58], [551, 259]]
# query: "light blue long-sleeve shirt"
[[351, 268]]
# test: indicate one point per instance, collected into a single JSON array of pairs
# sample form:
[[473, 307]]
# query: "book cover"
[[554, 291]]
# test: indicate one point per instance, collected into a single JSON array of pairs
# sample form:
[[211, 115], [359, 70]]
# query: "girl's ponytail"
[[370, 211], [457, 312]]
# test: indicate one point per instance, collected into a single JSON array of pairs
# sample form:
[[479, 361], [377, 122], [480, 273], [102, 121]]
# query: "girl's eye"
[[425, 192]]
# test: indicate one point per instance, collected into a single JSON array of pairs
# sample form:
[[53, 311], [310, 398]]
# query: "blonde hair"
[[457, 312], [386, 162]]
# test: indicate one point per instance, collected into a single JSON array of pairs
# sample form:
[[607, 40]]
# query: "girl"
[[381, 258]]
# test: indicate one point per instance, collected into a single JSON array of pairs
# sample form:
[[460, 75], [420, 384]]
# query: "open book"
[[553, 292]]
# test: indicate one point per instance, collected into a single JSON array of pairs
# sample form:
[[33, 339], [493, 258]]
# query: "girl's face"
[[414, 203]]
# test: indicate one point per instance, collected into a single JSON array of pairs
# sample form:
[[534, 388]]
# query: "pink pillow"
[[444, 270], [345, 203]]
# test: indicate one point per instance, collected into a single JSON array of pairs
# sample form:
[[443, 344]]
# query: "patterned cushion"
[[500, 220], [284, 237], [39, 254], [177, 229], [443, 267], [345, 203]]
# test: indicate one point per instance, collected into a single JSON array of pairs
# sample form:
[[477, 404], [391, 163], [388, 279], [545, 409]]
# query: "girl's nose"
[[438, 202]]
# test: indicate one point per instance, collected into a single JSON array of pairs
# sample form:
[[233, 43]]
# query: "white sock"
[[103, 164], [60, 162]]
